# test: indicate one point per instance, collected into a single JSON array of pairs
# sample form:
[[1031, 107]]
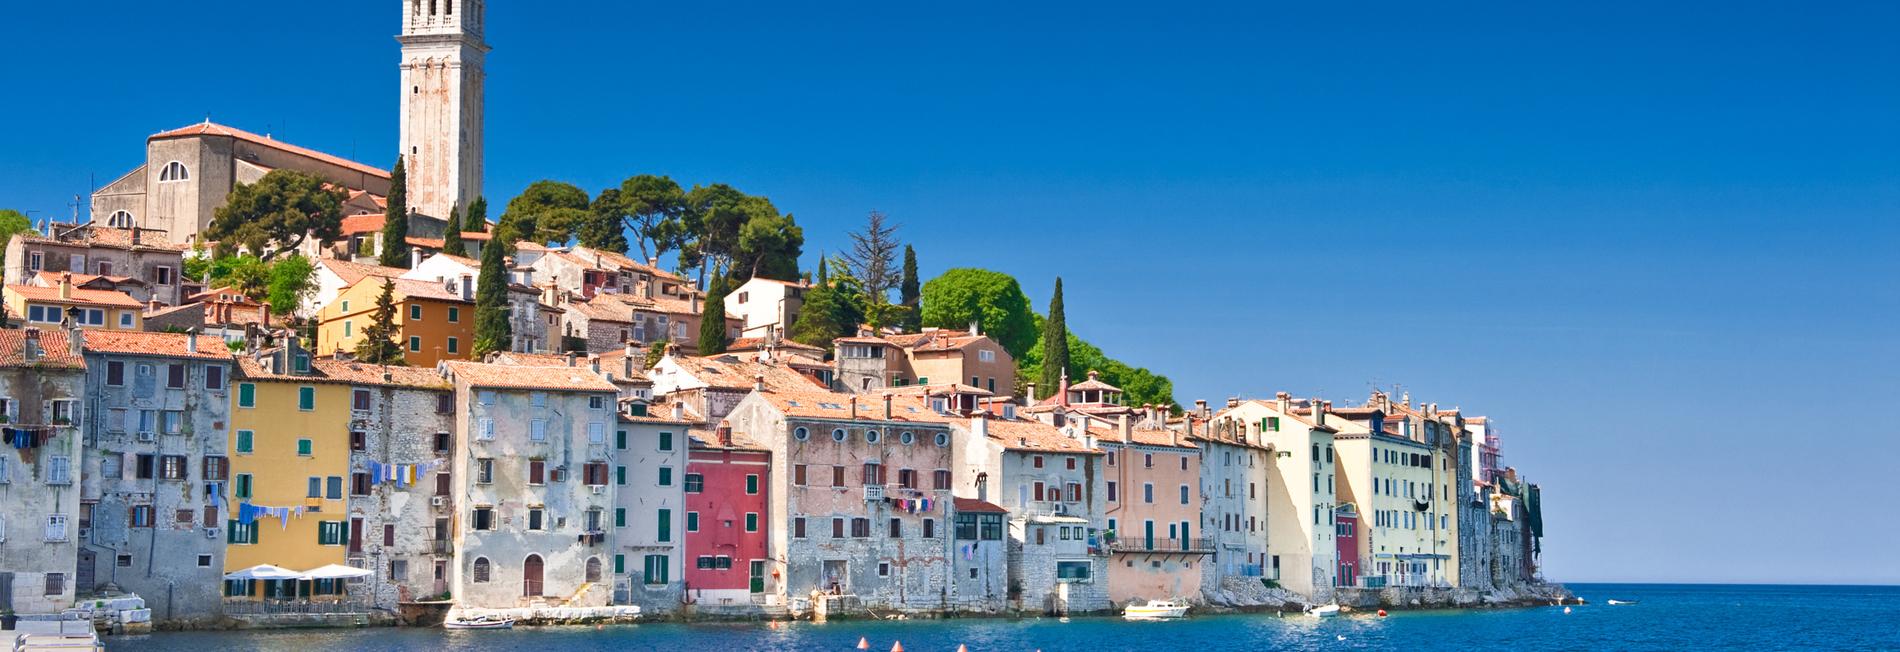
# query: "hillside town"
[[440, 409]]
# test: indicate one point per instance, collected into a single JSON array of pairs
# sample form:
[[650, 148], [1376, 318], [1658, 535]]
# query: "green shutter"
[[303, 447], [692, 521], [247, 395], [666, 441], [751, 522], [306, 398], [620, 440], [244, 441], [620, 517], [620, 564], [752, 484], [666, 477], [230, 531], [666, 525], [620, 475]]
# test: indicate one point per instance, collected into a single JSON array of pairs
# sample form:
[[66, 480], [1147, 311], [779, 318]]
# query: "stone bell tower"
[[442, 56]]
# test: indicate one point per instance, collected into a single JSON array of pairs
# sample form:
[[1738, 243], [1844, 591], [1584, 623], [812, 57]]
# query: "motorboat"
[[1156, 610], [1323, 611], [87, 642], [1614, 601], [479, 622]]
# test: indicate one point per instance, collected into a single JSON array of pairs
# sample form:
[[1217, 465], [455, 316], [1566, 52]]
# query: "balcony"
[[1194, 546], [442, 547]]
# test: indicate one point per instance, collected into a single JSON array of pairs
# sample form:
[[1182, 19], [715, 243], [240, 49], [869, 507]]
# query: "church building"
[[188, 172]]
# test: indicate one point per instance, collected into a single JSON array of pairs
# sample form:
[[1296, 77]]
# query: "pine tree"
[[909, 292], [396, 220], [712, 321], [493, 332], [452, 235], [379, 338], [1055, 343]]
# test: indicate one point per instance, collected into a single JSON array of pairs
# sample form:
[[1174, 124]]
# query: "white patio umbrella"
[[336, 572], [264, 572]]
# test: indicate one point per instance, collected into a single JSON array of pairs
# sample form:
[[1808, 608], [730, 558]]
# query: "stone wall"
[[399, 521]]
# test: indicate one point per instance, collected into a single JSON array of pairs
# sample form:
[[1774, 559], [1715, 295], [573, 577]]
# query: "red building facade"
[[727, 484], [1346, 531]]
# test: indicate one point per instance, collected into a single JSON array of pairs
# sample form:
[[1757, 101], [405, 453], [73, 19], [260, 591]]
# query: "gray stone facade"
[[649, 514], [402, 417], [41, 383]]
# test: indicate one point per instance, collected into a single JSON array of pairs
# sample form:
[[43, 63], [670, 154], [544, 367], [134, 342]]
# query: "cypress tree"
[[452, 235], [493, 332], [822, 279], [909, 293], [476, 220], [1055, 344], [379, 338], [396, 220], [712, 321]]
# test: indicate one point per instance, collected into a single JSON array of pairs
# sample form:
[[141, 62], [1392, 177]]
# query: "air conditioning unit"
[[873, 492], [598, 489], [1061, 509], [438, 501], [210, 533], [84, 533], [147, 436], [558, 475]]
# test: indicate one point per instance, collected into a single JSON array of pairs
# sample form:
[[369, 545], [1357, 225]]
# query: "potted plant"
[[8, 619]]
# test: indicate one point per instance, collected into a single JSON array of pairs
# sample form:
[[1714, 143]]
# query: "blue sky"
[[1655, 243]]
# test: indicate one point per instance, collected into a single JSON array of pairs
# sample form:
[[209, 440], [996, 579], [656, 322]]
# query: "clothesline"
[[248, 513], [402, 475]]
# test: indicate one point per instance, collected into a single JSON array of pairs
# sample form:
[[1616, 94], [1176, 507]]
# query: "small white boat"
[[1156, 610], [479, 622], [1622, 602], [1323, 611], [87, 642]]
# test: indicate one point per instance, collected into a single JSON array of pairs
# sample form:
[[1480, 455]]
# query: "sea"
[[1663, 617]]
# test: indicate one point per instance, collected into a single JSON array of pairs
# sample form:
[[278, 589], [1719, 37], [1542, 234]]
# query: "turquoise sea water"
[[1669, 617]]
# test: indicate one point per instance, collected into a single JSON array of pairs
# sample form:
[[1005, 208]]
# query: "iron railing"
[[1142, 544], [267, 607]]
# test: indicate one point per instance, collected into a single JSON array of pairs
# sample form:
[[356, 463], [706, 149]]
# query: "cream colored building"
[[1301, 492]]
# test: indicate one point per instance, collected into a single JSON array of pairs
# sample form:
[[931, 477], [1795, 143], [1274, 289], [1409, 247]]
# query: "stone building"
[[1300, 493], [401, 430], [610, 321], [766, 307], [864, 492], [531, 449], [869, 363], [42, 379], [142, 262], [983, 560], [156, 476], [443, 82], [1153, 506], [650, 517], [527, 329], [1051, 485], [1235, 464]]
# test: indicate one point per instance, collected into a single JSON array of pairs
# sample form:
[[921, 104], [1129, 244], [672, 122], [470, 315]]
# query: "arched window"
[[481, 569], [173, 171], [593, 569], [119, 220]]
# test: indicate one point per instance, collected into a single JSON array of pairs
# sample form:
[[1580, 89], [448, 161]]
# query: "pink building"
[[727, 485], [1154, 500], [1346, 527]]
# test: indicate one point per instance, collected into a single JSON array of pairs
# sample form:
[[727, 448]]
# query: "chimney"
[[593, 362], [679, 411], [415, 257], [695, 303], [1127, 431], [974, 330], [152, 305], [570, 358], [628, 360], [1200, 407], [853, 400], [1062, 389], [191, 340], [653, 261], [135, 236], [1319, 411], [263, 314], [758, 385], [76, 340], [31, 348], [725, 433], [979, 428], [887, 407], [65, 285], [1029, 395], [468, 287], [1285, 403]]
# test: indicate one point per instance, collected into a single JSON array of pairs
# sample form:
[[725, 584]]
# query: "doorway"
[[531, 577]]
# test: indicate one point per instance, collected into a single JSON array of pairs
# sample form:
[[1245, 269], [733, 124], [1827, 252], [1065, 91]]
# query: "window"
[[241, 487], [943, 439], [837, 476], [597, 433], [455, 347], [359, 484], [481, 568], [125, 320], [656, 569], [1111, 491], [247, 395], [666, 441], [861, 528], [484, 518], [216, 467], [906, 478], [485, 470], [415, 343], [303, 447], [444, 403], [665, 534], [798, 527], [620, 475], [359, 440], [1184, 494], [801, 434], [692, 521], [538, 430], [535, 517], [333, 487], [1072, 571], [837, 435], [1035, 461], [214, 376], [415, 312], [55, 584], [115, 373], [1147, 492], [173, 171], [940, 479], [306, 398], [1148, 460], [140, 515], [930, 528], [537, 472], [331, 533], [752, 521], [455, 315], [798, 475]]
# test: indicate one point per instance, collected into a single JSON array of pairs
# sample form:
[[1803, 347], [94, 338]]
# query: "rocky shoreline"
[[1247, 595]]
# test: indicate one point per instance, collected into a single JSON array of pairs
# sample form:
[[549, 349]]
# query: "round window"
[[943, 439], [907, 437], [870, 436], [801, 434], [837, 435]]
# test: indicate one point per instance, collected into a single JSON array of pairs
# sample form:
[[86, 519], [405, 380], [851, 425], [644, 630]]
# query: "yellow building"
[[434, 321], [89, 308], [289, 449]]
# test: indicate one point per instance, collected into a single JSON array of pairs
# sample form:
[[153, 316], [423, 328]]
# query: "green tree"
[[830, 311], [604, 227], [993, 299], [13, 222], [476, 220], [493, 332], [656, 350], [378, 345], [452, 234], [653, 208], [395, 251], [712, 322], [743, 234], [548, 211], [1138, 385], [1055, 342], [276, 214], [289, 282], [909, 291]]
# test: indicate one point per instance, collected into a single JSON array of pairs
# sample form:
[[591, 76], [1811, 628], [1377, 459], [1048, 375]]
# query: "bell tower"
[[442, 57]]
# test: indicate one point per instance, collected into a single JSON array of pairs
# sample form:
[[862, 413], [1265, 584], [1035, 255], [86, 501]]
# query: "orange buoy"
[[897, 646], [960, 648], [863, 643], [1381, 613]]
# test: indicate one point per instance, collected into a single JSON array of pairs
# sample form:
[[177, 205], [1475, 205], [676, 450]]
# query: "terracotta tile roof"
[[863, 340], [366, 223], [737, 372], [419, 289], [51, 279], [1031, 435], [351, 272], [818, 403], [619, 261], [212, 129], [598, 310], [708, 437], [56, 353], [520, 377], [213, 294], [974, 505], [938, 389], [169, 345], [1094, 383], [532, 359], [1110, 434], [80, 296], [91, 235], [1296, 417], [667, 305], [756, 343], [331, 370]]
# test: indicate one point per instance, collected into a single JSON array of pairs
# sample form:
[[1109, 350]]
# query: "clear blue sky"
[[1655, 242]]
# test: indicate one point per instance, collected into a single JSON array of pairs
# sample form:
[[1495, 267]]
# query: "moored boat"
[[1323, 611], [1156, 610], [479, 622], [1622, 601]]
